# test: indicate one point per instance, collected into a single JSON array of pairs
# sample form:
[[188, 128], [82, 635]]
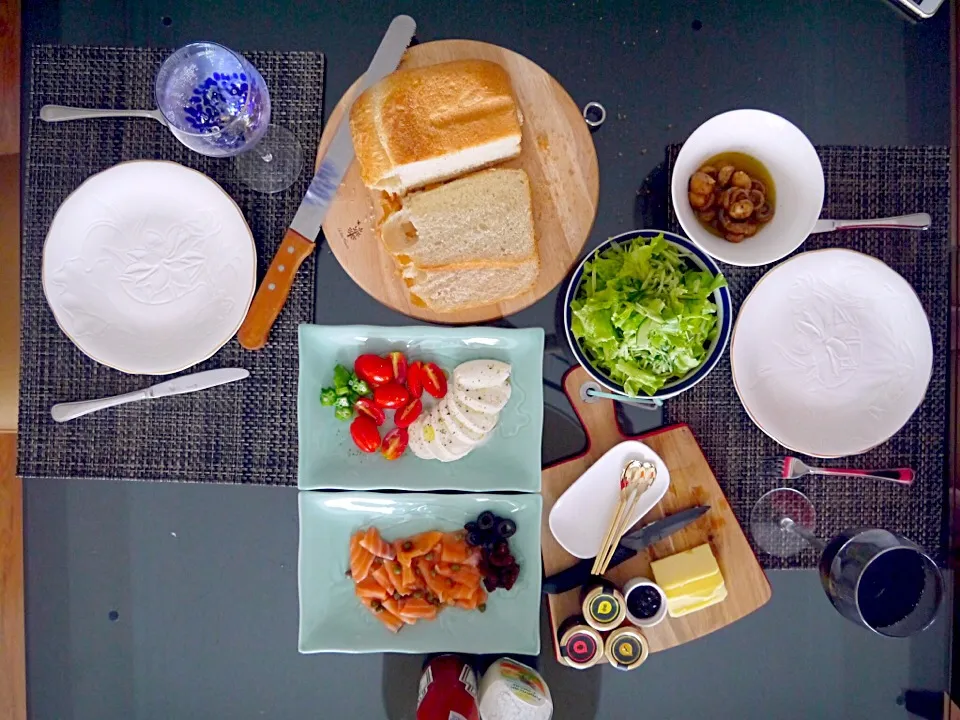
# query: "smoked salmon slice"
[[414, 578], [383, 579], [409, 579], [395, 574], [464, 574], [437, 584], [370, 588], [455, 550], [416, 609], [478, 598], [417, 546], [456, 591], [377, 545], [361, 559], [380, 612]]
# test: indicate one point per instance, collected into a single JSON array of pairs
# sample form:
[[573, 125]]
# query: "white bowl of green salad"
[[647, 314]]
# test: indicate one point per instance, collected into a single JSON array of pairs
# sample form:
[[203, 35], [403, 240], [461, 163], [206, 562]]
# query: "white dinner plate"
[[582, 515], [149, 267], [831, 353]]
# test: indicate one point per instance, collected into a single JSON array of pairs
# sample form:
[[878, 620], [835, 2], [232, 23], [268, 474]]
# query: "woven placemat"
[[860, 183], [242, 432]]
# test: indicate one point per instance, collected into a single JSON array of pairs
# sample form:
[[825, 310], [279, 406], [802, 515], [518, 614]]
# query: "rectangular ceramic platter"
[[331, 616], [507, 460]]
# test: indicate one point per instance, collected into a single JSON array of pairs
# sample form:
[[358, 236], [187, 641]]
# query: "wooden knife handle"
[[274, 290]]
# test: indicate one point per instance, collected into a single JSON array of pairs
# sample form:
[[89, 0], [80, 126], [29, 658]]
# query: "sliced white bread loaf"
[[429, 124], [483, 217], [459, 287]]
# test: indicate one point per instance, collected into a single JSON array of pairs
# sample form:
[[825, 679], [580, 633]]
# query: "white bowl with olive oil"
[[777, 151]]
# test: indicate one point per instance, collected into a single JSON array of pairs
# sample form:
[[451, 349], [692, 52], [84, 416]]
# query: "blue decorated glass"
[[214, 101]]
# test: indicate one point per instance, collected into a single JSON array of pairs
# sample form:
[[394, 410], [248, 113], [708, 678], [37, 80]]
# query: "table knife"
[[630, 544], [916, 221], [62, 412], [300, 239]]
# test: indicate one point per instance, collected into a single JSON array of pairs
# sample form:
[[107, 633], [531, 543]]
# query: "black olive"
[[506, 528], [486, 520], [470, 527], [475, 538]]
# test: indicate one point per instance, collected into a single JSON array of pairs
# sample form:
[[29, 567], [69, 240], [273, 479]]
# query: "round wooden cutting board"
[[557, 154]]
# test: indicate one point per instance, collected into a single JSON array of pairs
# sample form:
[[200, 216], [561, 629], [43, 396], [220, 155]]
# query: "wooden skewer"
[[611, 529], [622, 527], [631, 496]]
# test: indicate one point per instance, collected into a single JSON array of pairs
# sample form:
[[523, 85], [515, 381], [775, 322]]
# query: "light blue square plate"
[[332, 618], [508, 460]]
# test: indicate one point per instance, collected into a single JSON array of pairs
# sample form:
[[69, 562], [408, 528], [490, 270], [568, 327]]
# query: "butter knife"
[[630, 545], [916, 221], [301, 237], [62, 412]]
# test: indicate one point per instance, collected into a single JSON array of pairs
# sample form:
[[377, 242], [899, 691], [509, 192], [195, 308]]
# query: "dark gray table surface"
[[179, 601]]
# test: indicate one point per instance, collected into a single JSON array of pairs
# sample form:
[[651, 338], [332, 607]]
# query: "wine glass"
[[873, 577], [216, 103]]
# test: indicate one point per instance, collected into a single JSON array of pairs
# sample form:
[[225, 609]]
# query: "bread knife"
[[300, 238], [630, 544]]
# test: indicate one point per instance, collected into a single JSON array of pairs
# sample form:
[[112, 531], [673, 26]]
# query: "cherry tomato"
[[374, 369], [365, 434], [366, 406], [398, 363], [408, 413], [434, 381], [415, 379], [391, 396], [395, 443]]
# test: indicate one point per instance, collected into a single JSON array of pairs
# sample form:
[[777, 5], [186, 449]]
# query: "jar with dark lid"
[[581, 646], [626, 648], [602, 604]]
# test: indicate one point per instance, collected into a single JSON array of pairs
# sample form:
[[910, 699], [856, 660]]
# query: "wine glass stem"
[[789, 525]]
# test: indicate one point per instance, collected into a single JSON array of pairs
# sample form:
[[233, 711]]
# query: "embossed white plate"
[[831, 353], [149, 267]]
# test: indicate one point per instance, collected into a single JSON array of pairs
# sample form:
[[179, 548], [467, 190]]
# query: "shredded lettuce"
[[644, 315]]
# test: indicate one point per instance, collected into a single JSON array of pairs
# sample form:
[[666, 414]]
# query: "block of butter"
[[678, 607], [691, 580]]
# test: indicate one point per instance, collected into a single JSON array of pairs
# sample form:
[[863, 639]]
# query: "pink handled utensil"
[[791, 468]]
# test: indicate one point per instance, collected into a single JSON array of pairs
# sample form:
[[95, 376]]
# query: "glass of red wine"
[[873, 577]]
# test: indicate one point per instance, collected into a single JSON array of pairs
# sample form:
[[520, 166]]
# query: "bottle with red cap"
[[448, 690]]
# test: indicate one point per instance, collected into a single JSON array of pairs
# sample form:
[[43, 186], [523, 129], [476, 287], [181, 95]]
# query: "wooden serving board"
[[557, 154], [691, 483]]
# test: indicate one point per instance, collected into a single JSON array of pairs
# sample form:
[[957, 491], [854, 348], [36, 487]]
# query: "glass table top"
[[172, 600]]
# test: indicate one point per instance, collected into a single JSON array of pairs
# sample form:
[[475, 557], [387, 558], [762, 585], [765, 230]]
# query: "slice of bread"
[[483, 217], [451, 288], [429, 124]]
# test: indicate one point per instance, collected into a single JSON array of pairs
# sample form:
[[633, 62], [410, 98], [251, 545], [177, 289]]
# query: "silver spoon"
[[916, 221], [61, 113]]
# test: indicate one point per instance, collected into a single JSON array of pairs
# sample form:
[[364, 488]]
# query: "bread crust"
[[430, 112]]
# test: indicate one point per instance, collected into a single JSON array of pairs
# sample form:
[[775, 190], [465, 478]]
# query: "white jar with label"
[[510, 690]]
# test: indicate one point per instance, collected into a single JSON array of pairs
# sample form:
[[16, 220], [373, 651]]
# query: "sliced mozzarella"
[[477, 374], [485, 400], [479, 422], [461, 431], [444, 444], [418, 440]]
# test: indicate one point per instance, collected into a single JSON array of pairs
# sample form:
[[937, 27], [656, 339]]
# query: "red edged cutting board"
[[691, 483]]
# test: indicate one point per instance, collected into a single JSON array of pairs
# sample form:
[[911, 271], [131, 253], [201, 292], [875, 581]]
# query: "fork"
[[791, 468]]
